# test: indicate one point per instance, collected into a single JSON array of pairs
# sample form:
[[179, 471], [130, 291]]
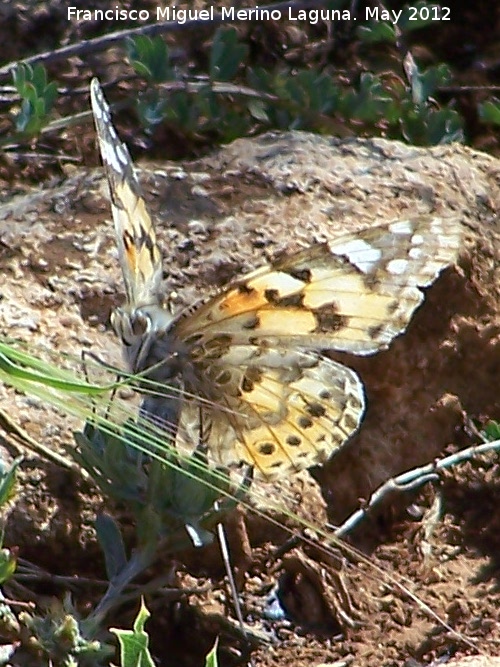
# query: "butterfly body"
[[245, 369]]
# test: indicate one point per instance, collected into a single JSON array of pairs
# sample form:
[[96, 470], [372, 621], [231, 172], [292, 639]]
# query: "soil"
[[432, 549]]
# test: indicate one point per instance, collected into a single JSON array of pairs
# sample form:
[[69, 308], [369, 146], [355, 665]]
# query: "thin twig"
[[411, 479], [467, 89], [226, 558], [406, 481], [10, 427]]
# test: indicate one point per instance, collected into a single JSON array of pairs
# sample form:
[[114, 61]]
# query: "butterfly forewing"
[[253, 383], [138, 251], [354, 295]]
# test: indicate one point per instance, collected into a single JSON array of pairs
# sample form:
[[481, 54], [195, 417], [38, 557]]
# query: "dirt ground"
[[427, 589]]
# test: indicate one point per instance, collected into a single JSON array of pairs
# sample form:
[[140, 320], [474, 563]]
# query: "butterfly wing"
[[354, 295], [255, 346], [279, 410], [140, 257], [252, 383]]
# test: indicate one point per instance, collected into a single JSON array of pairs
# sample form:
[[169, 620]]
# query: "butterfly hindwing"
[[278, 410]]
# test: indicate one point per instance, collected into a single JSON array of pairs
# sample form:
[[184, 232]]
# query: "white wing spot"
[[397, 266], [402, 227], [417, 239], [416, 253], [435, 268], [99, 112], [122, 154], [361, 254], [436, 226], [116, 156]]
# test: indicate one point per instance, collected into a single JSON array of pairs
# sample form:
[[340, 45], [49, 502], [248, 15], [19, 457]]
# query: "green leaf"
[[111, 542], [260, 79], [425, 83], [134, 644], [39, 78], [226, 55], [149, 57], [211, 658], [491, 431], [370, 103], [17, 363], [424, 126], [37, 98], [60, 638], [489, 112], [113, 460], [149, 526], [8, 481], [152, 108], [39, 107], [7, 565], [19, 77], [50, 95], [257, 109], [24, 123], [377, 31]]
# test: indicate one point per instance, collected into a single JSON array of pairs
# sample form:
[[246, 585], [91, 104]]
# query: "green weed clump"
[[231, 93]]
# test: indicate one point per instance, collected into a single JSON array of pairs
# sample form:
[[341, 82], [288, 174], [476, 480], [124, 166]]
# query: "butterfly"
[[245, 370]]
